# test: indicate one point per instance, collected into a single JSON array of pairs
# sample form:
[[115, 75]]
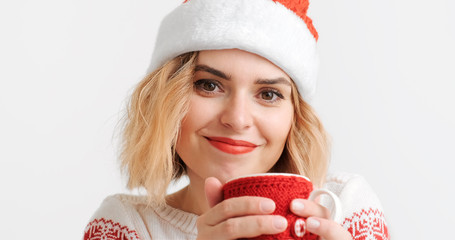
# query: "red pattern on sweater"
[[102, 229], [367, 225], [364, 225]]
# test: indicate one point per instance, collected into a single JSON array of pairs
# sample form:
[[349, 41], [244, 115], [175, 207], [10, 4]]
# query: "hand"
[[318, 220], [241, 217]]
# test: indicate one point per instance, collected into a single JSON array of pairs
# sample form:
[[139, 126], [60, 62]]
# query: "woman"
[[227, 95]]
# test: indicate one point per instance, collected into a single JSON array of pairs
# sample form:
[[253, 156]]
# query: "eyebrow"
[[279, 80], [211, 70], [218, 73]]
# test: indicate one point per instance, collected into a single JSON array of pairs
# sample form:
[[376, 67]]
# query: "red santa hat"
[[278, 30]]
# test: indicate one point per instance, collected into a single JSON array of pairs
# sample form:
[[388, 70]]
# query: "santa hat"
[[278, 30]]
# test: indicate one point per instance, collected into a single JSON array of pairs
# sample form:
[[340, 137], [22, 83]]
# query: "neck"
[[191, 198]]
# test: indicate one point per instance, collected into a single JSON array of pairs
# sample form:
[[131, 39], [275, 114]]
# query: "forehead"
[[235, 60]]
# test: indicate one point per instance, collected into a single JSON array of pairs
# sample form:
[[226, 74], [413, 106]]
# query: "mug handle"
[[336, 211]]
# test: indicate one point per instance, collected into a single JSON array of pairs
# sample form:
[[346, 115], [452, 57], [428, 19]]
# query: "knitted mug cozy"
[[281, 188]]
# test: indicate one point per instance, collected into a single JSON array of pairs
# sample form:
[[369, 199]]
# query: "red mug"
[[281, 188]]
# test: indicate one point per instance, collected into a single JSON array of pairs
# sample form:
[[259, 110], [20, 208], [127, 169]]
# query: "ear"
[[213, 191]]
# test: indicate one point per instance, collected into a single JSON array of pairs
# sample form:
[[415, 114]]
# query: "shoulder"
[[362, 210], [353, 189], [116, 218], [120, 205]]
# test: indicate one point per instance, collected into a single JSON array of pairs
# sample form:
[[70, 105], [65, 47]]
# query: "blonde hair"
[[307, 150], [152, 123]]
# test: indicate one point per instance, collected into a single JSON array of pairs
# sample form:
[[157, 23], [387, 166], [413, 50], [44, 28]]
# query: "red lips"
[[231, 146]]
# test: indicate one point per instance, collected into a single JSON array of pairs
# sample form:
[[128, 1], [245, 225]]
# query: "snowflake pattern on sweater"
[[103, 229], [368, 224], [365, 225]]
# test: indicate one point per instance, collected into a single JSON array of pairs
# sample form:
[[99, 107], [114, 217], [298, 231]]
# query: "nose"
[[237, 113]]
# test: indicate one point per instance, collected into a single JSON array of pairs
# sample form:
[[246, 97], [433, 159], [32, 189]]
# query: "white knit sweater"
[[127, 217]]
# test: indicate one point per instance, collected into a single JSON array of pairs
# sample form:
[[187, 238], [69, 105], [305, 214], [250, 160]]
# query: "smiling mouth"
[[231, 146]]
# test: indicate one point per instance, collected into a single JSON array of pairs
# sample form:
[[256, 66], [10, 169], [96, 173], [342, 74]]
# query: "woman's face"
[[239, 117]]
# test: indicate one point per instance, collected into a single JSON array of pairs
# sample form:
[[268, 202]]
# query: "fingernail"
[[297, 205], [312, 223], [267, 206], [280, 223]]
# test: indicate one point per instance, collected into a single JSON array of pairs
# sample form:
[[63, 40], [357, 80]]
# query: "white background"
[[385, 94]]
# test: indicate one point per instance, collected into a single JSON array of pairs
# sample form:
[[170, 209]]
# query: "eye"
[[207, 86], [271, 95], [267, 95]]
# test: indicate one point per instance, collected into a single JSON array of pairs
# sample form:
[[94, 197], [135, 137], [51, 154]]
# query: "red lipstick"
[[231, 146]]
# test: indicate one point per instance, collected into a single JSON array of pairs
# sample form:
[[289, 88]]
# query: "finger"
[[327, 229], [213, 191], [307, 208], [250, 226], [237, 207]]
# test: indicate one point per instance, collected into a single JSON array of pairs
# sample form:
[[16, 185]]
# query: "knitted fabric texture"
[[282, 190], [107, 229]]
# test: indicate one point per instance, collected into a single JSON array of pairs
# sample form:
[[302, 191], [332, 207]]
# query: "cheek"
[[197, 118], [277, 126], [200, 113]]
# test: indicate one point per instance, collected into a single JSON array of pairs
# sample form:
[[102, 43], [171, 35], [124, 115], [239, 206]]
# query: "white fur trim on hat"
[[263, 27]]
